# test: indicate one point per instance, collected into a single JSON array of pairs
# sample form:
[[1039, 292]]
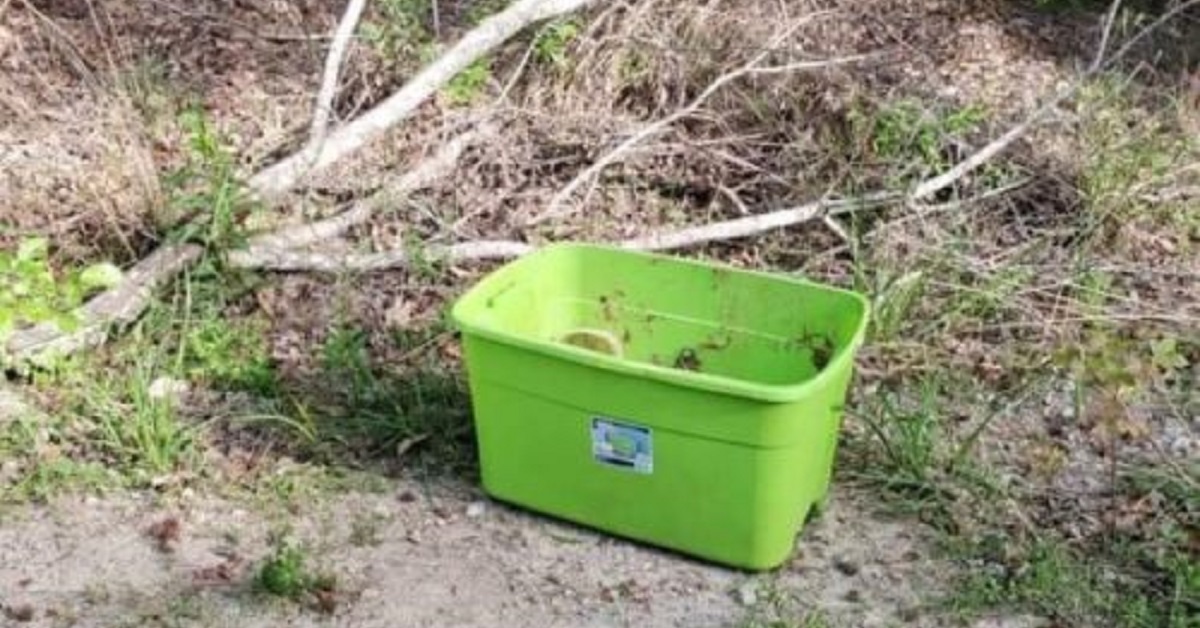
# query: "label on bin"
[[623, 445]]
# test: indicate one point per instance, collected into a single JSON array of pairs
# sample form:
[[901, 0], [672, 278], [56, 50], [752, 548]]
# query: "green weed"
[[1130, 152], [1051, 580], [400, 35], [469, 84], [482, 9], [146, 84], [230, 354], [553, 41], [207, 203], [777, 608], [286, 573], [137, 432], [894, 297], [365, 528], [364, 411], [908, 435], [283, 573], [913, 140], [345, 355]]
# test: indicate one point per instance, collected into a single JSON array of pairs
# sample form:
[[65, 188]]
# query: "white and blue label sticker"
[[623, 445]]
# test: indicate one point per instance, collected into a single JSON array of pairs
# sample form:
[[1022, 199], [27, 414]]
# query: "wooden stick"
[[333, 68], [425, 174]]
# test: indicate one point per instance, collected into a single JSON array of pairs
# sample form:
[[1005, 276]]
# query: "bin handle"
[[598, 340]]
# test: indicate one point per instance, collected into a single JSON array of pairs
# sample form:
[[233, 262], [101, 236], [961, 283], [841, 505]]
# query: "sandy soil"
[[439, 555]]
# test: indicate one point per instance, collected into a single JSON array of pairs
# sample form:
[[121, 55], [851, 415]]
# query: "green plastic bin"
[[690, 406]]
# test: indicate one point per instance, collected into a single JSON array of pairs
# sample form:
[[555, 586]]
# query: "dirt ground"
[[438, 555]]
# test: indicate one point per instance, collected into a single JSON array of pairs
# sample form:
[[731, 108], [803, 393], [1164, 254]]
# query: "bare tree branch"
[[753, 225], [318, 261], [333, 68], [325, 262], [489, 35], [426, 173]]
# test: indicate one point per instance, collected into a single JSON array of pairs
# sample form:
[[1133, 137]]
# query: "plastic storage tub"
[[686, 405]]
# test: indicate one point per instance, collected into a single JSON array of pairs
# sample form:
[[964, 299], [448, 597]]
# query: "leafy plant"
[[31, 292], [467, 85], [230, 354], [400, 34], [550, 46], [207, 201], [914, 139], [285, 574]]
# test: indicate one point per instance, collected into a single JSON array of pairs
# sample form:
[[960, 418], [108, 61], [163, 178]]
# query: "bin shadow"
[[413, 422]]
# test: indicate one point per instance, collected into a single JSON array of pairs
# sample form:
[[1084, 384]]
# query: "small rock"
[[1018, 621], [853, 596], [747, 594], [413, 537], [476, 510], [407, 497], [846, 567], [9, 470], [19, 612], [167, 388]]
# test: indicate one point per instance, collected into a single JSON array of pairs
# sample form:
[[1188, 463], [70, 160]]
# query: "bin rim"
[[775, 393]]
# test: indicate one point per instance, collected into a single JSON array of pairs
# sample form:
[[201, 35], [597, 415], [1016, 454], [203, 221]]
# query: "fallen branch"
[[333, 68], [317, 261], [489, 35], [125, 302], [120, 305], [425, 174], [753, 225], [556, 207]]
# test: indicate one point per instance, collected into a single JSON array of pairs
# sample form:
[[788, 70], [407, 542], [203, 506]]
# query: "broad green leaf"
[[32, 249], [68, 322], [104, 275]]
